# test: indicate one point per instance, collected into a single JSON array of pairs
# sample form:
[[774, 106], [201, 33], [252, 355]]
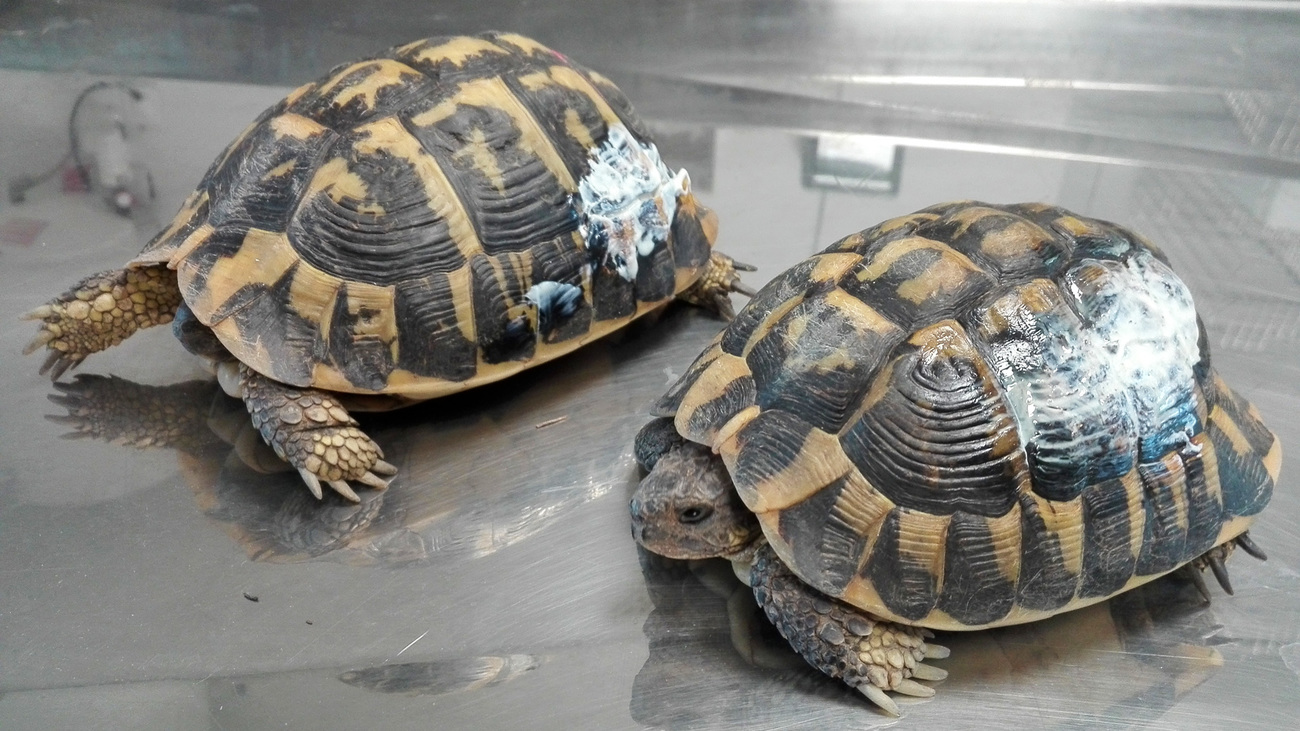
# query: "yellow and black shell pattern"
[[979, 415], [439, 216]]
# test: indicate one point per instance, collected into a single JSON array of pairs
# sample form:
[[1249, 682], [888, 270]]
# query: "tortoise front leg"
[[310, 430], [868, 653], [102, 310]]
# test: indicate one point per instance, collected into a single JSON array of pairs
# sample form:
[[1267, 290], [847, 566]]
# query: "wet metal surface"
[[182, 578]]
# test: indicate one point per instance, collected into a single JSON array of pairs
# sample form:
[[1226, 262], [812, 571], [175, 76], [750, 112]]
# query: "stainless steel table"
[[495, 585]]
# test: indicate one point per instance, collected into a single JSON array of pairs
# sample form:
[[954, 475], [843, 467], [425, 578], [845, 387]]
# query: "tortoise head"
[[687, 507]]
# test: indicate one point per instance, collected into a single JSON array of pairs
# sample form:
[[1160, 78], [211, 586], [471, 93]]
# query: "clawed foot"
[[869, 654], [894, 664], [101, 311], [312, 431], [324, 452], [1215, 558], [713, 289]]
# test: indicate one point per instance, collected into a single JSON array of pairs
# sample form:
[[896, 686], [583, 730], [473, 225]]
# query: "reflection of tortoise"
[[968, 417], [408, 226], [714, 657]]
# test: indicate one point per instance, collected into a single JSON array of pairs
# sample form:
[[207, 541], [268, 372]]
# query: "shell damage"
[[627, 201]]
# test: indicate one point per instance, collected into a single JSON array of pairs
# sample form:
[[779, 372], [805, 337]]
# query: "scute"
[[408, 223], [1023, 418]]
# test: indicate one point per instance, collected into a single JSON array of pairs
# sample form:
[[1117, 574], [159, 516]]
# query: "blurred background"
[[496, 583]]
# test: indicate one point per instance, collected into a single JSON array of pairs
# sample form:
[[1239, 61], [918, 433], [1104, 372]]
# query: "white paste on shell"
[[555, 301], [627, 200], [1109, 381]]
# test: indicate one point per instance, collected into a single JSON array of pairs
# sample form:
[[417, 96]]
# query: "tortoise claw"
[[1199, 582], [741, 288], [342, 488], [1220, 572], [880, 698], [41, 339], [722, 305], [929, 672], [380, 467], [1250, 547], [935, 652], [913, 688], [373, 480], [313, 483], [39, 313]]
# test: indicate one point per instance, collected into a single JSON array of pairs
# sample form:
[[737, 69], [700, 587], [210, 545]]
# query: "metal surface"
[[495, 585]]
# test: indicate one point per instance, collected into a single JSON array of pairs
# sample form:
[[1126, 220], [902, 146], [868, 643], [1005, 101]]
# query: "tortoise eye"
[[694, 514]]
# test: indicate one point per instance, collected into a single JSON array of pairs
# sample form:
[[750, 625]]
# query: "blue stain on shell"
[[555, 303]]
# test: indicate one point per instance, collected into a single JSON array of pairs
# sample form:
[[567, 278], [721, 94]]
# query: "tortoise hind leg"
[[312, 431], [869, 654], [102, 310], [713, 289]]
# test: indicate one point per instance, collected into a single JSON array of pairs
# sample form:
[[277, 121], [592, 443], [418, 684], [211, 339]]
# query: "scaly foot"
[[312, 431], [869, 654], [713, 289], [102, 310]]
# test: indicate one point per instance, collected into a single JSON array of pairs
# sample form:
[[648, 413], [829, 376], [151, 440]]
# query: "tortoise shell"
[[979, 415], [437, 217]]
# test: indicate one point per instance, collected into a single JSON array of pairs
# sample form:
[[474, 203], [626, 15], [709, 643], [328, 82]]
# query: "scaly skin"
[[865, 652], [713, 289], [101, 311], [311, 430]]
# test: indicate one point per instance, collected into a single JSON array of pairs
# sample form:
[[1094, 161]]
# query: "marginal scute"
[[362, 335], [668, 404], [1045, 583], [721, 391], [903, 563], [431, 343], [975, 590], [1108, 559]]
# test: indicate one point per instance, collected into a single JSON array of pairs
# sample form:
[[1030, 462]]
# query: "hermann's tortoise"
[[429, 220], [968, 417]]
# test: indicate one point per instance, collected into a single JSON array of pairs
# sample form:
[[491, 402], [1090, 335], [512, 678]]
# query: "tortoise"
[[428, 220], [967, 417]]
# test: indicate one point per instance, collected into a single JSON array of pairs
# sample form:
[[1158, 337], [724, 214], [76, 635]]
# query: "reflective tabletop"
[[161, 568]]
